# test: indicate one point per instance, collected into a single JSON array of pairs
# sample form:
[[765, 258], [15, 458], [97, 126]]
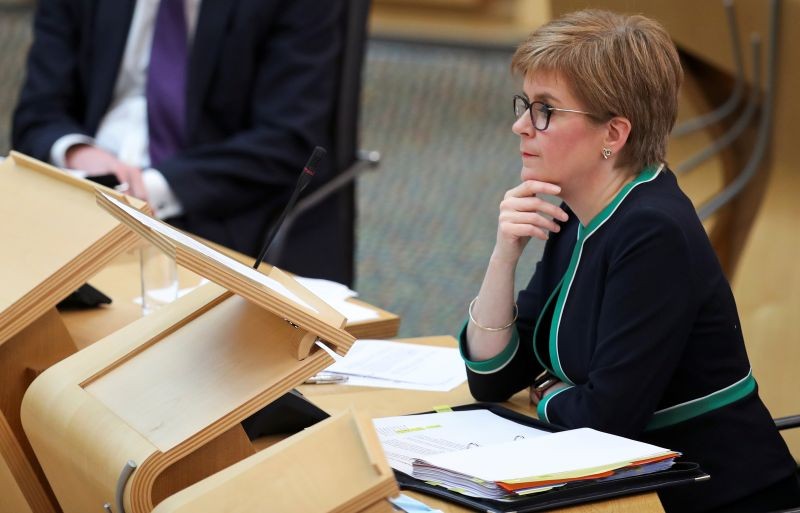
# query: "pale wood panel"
[[23, 357], [13, 499], [236, 350], [120, 280], [503, 22], [768, 293], [334, 466], [166, 377], [56, 235], [306, 310], [227, 449], [42, 224]]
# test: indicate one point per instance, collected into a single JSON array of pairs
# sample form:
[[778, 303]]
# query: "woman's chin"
[[533, 173]]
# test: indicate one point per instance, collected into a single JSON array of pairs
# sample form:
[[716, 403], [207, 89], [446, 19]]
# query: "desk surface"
[[121, 281], [380, 402]]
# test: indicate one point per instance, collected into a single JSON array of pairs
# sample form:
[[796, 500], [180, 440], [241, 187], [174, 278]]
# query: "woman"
[[628, 309]]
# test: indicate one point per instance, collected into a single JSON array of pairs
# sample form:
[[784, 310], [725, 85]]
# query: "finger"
[[120, 170], [522, 230], [136, 183], [534, 204], [537, 187], [532, 218], [532, 188], [533, 397]]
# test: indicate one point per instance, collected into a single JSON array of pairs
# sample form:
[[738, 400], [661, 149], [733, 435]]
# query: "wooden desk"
[[379, 402], [121, 280]]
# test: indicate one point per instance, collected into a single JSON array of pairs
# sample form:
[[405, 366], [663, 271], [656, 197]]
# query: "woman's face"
[[570, 148]]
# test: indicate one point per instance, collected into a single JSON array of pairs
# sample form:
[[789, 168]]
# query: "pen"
[[325, 379]]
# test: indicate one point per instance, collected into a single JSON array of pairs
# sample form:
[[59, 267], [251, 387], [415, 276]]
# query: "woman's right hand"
[[523, 214]]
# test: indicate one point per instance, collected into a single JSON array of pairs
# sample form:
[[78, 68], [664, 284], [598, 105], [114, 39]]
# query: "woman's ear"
[[617, 131]]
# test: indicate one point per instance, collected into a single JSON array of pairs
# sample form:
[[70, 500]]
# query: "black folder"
[[681, 473]]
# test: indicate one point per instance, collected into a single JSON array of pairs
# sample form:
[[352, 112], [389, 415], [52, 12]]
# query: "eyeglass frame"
[[547, 110]]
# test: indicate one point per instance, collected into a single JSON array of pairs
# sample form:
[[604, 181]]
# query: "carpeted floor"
[[16, 18], [441, 117]]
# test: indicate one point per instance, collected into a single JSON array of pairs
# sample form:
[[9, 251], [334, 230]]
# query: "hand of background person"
[[523, 214], [95, 161]]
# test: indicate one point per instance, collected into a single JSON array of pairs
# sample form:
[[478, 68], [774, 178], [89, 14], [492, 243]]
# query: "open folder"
[[505, 461], [529, 465]]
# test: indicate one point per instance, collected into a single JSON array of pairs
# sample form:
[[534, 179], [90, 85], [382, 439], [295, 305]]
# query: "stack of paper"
[[533, 465], [336, 295], [389, 364], [409, 437], [483, 455]]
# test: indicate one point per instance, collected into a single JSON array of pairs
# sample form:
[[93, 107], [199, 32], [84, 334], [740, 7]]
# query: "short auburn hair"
[[616, 65]]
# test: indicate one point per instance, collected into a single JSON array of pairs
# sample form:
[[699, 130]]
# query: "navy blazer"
[[633, 312], [261, 86]]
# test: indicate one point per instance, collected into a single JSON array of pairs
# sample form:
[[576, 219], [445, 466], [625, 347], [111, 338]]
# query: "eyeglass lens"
[[538, 111]]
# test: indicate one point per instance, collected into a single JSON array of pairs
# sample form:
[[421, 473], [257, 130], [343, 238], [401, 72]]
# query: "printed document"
[[389, 364], [411, 437]]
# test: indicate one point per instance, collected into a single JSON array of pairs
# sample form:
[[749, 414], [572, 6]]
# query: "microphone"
[[302, 182]]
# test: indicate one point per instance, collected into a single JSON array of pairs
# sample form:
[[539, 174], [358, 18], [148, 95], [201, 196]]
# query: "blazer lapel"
[[211, 23], [112, 22]]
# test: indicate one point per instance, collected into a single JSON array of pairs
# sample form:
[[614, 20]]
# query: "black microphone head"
[[317, 155]]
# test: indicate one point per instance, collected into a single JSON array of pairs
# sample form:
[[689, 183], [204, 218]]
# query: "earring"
[[606, 153]]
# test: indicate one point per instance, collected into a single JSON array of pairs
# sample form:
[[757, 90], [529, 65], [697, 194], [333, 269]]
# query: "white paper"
[[397, 363], [410, 437], [537, 458], [211, 253], [336, 295]]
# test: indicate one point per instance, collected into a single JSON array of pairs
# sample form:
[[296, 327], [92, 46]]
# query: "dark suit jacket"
[[261, 89], [643, 322]]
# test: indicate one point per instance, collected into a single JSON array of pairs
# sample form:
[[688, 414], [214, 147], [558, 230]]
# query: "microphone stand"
[[291, 412]]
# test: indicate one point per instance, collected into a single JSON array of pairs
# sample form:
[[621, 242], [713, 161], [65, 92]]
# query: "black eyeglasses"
[[540, 111]]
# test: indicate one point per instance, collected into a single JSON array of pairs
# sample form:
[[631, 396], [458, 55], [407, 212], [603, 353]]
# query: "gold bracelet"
[[484, 328]]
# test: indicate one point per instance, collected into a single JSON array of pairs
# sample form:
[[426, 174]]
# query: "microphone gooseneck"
[[302, 182]]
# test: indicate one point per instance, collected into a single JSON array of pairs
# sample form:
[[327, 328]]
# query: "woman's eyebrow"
[[545, 97]]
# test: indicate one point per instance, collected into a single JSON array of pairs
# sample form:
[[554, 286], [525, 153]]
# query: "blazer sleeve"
[[290, 110], [51, 101], [645, 319], [497, 379]]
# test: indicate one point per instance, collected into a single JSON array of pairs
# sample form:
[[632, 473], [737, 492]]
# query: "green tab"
[[442, 408], [688, 410]]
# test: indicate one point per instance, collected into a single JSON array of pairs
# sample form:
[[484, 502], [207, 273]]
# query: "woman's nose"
[[522, 126]]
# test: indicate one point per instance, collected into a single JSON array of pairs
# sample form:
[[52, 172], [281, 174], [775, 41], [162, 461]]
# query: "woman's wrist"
[[491, 328], [500, 258]]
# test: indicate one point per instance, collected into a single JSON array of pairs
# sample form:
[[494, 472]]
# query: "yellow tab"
[[442, 408]]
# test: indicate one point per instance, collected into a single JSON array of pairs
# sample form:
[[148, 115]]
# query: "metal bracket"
[[741, 123], [733, 100], [122, 481], [764, 128]]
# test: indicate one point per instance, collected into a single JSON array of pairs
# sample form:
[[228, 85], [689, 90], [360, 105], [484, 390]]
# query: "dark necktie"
[[166, 82]]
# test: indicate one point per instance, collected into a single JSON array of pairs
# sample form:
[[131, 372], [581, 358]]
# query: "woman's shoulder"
[[659, 201], [659, 215]]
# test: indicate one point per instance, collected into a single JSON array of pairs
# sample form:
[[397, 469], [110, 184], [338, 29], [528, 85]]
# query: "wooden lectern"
[[54, 238], [156, 407]]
